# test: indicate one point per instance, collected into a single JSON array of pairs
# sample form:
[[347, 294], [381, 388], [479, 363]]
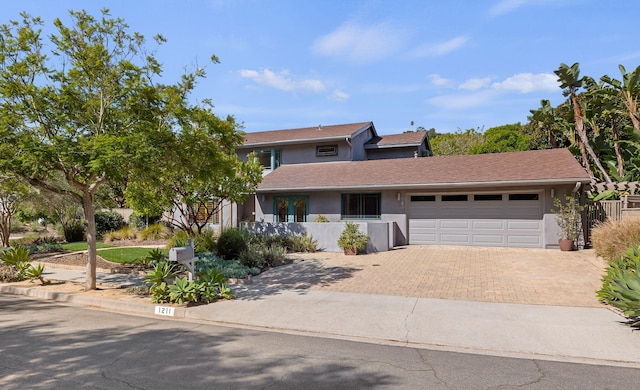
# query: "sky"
[[449, 65]]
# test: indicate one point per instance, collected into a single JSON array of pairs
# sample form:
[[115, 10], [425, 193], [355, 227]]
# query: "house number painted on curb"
[[164, 311]]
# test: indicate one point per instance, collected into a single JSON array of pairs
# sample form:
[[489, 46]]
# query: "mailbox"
[[185, 255], [181, 253]]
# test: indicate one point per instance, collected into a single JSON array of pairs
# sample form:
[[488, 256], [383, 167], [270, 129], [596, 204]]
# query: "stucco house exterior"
[[399, 194]]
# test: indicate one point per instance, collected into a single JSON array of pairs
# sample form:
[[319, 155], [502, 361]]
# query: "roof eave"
[[433, 186]]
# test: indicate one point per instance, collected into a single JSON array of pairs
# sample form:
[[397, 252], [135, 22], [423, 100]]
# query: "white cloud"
[[339, 96], [440, 49], [282, 81], [358, 43], [475, 84], [439, 81], [528, 82]]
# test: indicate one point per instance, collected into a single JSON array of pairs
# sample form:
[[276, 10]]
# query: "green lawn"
[[125, 255], [82, 246]]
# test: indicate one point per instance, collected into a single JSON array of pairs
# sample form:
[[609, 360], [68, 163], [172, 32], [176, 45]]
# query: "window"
[[423, 198], [291, 208], [454, 198], [326, 150], [481, 197], [361, 206], [208, 212], [269, 158], [523, 196]]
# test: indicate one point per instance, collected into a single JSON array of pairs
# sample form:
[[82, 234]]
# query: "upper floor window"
[[326, 150], [269, 158]]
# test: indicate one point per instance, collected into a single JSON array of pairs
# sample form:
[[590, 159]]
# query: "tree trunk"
[[582, 133], [87, 205], [632, 109]]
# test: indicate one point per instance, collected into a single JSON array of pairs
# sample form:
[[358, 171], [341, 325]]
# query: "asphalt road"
[[46, 345]]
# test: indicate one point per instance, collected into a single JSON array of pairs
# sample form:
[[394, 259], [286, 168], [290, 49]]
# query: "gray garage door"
[[498, 219]]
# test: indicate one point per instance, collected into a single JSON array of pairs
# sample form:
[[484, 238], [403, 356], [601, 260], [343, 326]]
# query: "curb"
[[116, 305]]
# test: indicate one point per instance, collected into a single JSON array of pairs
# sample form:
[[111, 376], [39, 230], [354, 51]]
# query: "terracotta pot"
[[566, 245], [351, 251]]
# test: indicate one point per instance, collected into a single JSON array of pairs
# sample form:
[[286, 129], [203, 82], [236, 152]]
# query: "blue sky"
[[449, 65]]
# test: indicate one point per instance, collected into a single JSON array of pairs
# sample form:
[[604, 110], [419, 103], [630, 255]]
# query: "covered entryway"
[[486, 219]]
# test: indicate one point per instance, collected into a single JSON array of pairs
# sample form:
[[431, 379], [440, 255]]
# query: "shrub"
[[108, 221], [157, 231], [302, 243], [124, 233], [230, 268], [206, 241], [621, 285], [140, 222], [16, 266], [321, 218], [73, 231], [232, 242], [611, 239], [352, 239], [179, 238]]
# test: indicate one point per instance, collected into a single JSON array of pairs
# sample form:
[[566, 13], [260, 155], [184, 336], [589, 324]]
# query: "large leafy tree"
[[506, 138], [84, 106], [201, 169], [459, 142]]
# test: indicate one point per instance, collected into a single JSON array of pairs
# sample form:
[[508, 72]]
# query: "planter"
[[351, 251], [566, 245]]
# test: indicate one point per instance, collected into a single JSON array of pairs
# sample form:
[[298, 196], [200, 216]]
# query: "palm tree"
[[569, 78], [629, 89]]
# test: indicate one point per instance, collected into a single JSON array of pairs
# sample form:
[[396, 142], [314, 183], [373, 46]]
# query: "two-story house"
[[398, 195]]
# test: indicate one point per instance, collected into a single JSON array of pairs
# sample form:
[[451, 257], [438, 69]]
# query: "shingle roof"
[[317, 133], [404, 139], [552, 166]]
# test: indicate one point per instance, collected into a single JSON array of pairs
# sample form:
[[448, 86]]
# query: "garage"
[[484, 219]]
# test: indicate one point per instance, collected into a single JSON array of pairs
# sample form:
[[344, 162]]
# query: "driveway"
[[508, 275]]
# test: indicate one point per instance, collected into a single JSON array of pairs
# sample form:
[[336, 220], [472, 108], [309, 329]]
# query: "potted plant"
[[352, 240], [568, 217]]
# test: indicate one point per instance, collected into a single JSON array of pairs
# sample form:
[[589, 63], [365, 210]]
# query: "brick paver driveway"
[[512, 275]]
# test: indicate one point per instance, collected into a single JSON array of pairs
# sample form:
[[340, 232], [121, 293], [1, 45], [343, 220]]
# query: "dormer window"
[[269, 158], [326, 150]]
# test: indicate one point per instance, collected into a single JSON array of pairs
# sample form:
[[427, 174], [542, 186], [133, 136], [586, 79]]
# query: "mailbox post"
[[185, 255]]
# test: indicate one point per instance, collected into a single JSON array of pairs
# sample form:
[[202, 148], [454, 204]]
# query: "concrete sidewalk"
[[576, 334]]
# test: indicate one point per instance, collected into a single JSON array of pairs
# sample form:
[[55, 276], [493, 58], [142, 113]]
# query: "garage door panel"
[[454, 224], [486, 239], [525, 241], [524, 225], [457, 239], [487, 224]]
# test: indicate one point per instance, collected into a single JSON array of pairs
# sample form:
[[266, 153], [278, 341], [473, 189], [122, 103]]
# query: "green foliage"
[[206, 241], [179, 238], [16, 266], [321, 218], [232, 242], [182, 290], [157, 280], [621, 285], [124, 233], [568, 216], [107, 221], [460, 142], [140, 222], [302, 243], [154, 232], [612, 238], [230, 268], [155, 256], [74, 231], [506, 138], [352, 238], [125, 255]]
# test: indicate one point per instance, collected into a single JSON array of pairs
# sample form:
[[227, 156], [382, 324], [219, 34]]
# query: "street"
[[44, 344]]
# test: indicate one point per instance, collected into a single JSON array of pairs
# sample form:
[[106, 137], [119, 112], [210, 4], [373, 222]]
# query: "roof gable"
[[306, 134], [530, 167]]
